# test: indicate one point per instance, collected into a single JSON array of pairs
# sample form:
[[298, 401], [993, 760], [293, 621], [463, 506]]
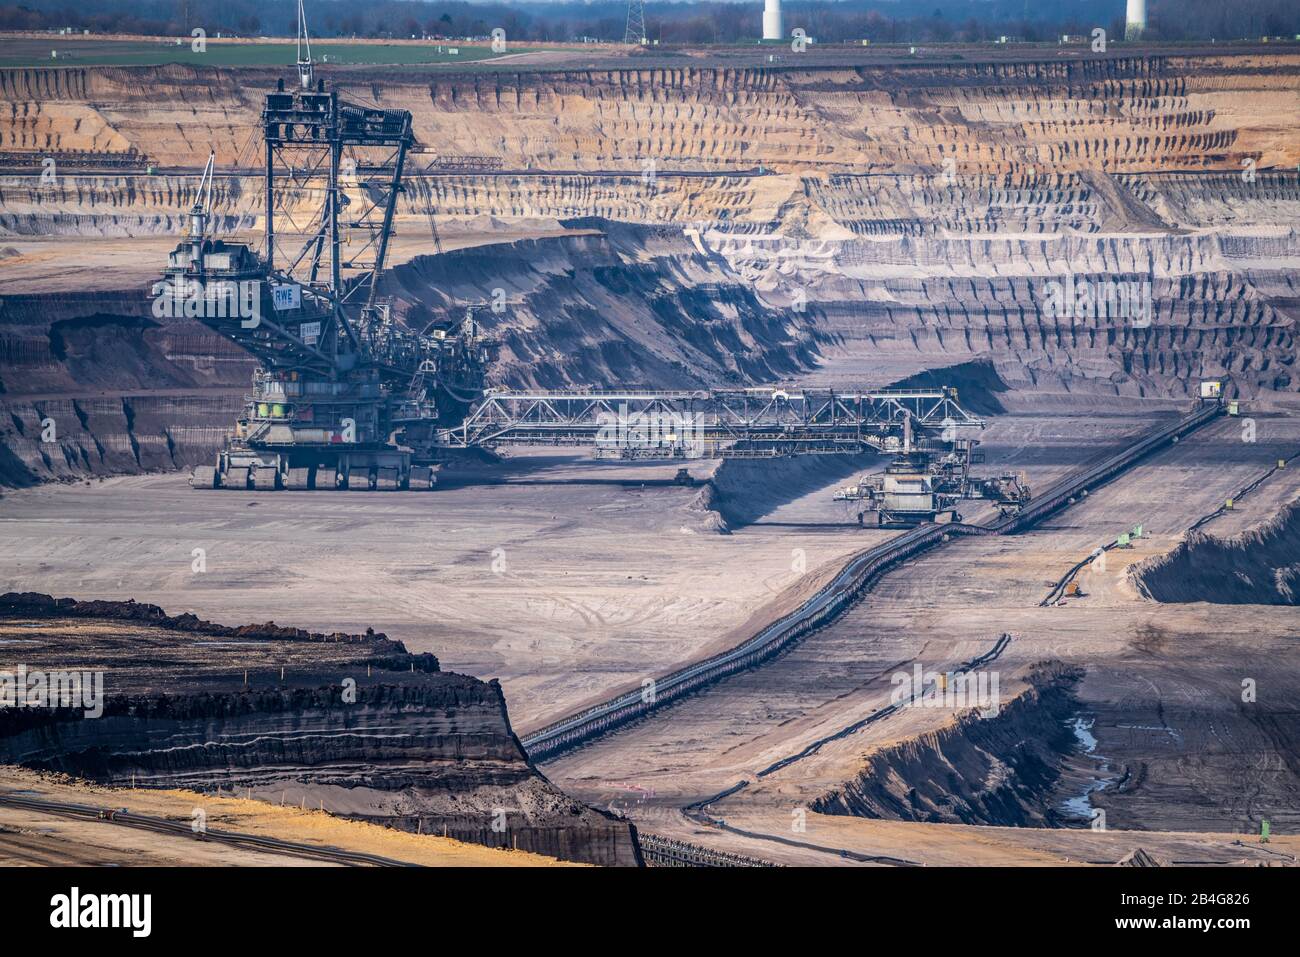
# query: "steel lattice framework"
[[709, 422], [634, 34], [333, 173]]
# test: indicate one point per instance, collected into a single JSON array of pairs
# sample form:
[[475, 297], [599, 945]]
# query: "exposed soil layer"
[[34, 836], [744, 491], [894, 217], [91, 384], [349, 724], [1001, 769], [627, 306], [1180, 112], [565, 577], [103, 389], [37, 606], [1195, 724], [1255, 567], [977, 384], [906, 226]]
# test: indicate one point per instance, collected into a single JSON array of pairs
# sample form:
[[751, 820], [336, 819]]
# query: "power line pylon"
[[634, 35]]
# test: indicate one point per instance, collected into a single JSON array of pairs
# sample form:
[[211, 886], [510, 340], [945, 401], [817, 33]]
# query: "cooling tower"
[[1135, 19], [772, 20]]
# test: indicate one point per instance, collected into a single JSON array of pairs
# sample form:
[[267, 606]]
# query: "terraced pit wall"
[[907, 217], [446, 760], [1111, 113]]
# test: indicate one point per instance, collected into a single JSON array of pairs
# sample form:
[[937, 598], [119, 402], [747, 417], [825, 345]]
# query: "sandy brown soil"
[[957, 845], [34, 838], [834, 112], [41, 265], [571, 579], [348, 724]]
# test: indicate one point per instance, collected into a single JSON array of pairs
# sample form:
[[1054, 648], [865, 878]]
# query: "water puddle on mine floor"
[[1081, 805]]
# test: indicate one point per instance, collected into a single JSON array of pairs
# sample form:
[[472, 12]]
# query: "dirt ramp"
[[998, 770], [977, 383], [1261, 566], [630, 306]]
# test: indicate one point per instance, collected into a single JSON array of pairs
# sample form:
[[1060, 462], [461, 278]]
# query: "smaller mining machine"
[[927, 478], [345, 396]]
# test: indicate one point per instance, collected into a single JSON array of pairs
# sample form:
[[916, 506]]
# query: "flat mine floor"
[[567, 580], [565, 577]]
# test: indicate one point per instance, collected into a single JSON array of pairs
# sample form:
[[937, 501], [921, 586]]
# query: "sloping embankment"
[[742, 491], [92, 384], [1000, 770], [1260, 566]]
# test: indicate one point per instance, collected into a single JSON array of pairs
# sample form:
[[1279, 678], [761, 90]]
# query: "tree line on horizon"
[[695, 23]]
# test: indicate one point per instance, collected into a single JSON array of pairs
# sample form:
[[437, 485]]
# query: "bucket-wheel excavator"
[[345, 395]]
